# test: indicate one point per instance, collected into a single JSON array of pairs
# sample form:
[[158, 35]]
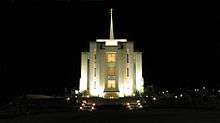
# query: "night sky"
[[42, 42]]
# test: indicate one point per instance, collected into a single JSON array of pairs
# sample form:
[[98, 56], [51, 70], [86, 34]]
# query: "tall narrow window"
[[95, 72], [94, 57], [127, 59], [127, 72]]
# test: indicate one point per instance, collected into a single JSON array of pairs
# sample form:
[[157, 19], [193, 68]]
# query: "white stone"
[[111, 68]]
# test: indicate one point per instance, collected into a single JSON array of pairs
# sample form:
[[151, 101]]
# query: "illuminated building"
[[111, 68]]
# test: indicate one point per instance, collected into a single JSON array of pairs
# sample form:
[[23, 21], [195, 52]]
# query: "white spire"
[[111, 41], [111, 26]]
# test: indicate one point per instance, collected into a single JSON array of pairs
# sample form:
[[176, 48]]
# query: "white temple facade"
[[111, 68]]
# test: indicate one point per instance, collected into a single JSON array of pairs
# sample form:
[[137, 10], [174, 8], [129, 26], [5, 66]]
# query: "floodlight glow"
[[154, 98], [196, 90], [94, 64], [76, 91], [67, 99]]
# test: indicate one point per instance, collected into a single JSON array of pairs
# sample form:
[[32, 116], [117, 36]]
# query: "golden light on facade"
[[111, 66]]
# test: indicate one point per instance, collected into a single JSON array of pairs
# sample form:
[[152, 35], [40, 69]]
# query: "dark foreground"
[[150, 116]]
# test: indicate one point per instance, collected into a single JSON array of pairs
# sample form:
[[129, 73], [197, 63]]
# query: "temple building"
[[111, 68]]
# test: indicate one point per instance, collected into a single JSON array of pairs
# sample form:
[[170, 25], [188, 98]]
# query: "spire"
[[111, 41], [111, 26]]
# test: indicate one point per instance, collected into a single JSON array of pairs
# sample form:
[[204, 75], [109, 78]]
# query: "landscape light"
[[154, 98], [67, 99], [196, 90], [76, 91]]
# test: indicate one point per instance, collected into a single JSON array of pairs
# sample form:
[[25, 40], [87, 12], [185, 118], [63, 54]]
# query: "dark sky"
[[43, 40]]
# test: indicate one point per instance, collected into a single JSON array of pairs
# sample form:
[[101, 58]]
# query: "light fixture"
[[154, 98], [68, 98]]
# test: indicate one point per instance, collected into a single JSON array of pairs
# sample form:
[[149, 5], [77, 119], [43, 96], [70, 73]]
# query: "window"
[[94, 55], [111, 83], [127, 59], [127, 72], [94, 71], [111, 57]]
